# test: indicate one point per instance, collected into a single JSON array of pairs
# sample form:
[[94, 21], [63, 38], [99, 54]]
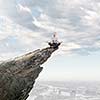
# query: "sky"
[[26, 25]]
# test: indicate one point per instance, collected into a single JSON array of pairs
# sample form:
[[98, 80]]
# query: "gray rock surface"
[[17, 76]]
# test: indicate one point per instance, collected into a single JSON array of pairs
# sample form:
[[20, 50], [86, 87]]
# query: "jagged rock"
[[17, 76]]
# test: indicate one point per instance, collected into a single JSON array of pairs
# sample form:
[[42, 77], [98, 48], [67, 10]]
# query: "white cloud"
[[23, 9], [32, 22]]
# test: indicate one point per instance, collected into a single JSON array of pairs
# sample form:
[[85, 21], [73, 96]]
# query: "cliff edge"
[[17, 76]]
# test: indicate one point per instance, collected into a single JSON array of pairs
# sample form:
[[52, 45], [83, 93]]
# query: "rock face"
[[17, 76]]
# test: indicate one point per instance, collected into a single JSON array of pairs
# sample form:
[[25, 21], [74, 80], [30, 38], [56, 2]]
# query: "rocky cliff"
[[17, 76]]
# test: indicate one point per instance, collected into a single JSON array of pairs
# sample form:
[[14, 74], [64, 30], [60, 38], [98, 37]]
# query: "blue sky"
[[26, 25], [77, 67]]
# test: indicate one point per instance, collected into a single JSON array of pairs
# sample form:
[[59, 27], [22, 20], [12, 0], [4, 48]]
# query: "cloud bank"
[[27, 24]]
